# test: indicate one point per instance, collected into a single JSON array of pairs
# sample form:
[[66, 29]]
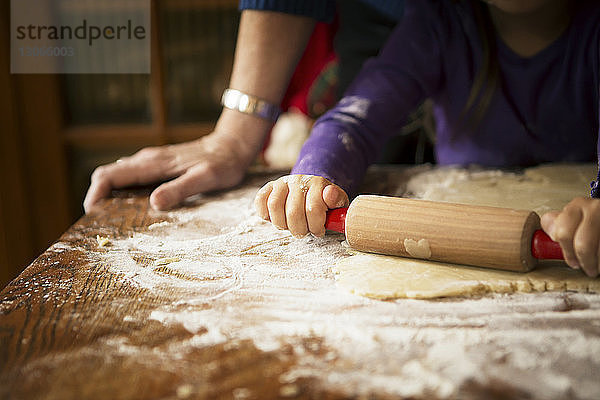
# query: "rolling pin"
[[482, 236]]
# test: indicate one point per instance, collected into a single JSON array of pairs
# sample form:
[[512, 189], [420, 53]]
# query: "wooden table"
[[210, 302]]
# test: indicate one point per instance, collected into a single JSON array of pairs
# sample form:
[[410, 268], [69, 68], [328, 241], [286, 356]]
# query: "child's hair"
[[488, 77]]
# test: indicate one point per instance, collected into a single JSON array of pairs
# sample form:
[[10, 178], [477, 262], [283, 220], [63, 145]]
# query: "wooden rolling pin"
[[483, 236]]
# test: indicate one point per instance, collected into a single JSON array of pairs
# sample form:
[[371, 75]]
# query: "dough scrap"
[[543, 188], [102, 241]]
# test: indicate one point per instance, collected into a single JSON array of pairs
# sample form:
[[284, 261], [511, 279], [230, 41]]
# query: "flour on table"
[[544, 188], [239, 279]]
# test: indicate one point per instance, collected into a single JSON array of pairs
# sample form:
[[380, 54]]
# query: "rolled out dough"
[[388, 277], [540, 189]]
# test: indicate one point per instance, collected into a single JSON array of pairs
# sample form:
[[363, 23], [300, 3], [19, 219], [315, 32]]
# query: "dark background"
[[55, 129]]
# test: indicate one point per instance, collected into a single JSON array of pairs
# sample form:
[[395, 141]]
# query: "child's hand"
[[577, 229], [299, 203]]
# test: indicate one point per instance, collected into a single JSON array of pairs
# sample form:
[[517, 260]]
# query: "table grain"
[[75, 325]]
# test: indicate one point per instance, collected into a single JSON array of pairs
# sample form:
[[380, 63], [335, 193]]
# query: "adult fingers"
[[99, 189], [202, 177], [146, 166], [172, 193], [260, 201]]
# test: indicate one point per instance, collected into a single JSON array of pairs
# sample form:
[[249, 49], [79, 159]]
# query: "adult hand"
[[212, 162], [268, 48], [577, 229]]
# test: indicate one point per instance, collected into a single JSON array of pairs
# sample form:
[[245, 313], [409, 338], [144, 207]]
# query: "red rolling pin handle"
[[336, 219], [542, 247]]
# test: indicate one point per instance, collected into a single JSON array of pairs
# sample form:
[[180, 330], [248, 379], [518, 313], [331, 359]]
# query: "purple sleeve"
[[348, 138]]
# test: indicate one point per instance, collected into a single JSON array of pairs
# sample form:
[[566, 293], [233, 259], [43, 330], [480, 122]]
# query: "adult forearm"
[[268, 49], [269, 46]]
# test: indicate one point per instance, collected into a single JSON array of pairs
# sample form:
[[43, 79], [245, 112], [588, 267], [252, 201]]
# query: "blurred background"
[[55, 129]]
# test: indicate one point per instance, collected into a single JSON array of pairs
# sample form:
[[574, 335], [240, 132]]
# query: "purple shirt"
[[551, 114]]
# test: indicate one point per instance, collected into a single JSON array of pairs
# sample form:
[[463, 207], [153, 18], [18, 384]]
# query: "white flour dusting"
[[355, 106], [239, 278]]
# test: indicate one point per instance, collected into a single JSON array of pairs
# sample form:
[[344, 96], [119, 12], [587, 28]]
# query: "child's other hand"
[[577, 229], [299, 203]]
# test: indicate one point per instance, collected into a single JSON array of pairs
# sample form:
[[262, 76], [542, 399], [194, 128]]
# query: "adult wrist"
[[245, 103], [247, 132]]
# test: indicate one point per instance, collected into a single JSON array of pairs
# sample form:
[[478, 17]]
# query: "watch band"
[[248, 104]]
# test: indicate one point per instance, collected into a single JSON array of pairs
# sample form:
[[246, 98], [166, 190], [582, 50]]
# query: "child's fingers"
[[294, 209], [334, 196], [585, 244], [297, 203], [316, 209], [260, 201], [563, 232], [276, 203]]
